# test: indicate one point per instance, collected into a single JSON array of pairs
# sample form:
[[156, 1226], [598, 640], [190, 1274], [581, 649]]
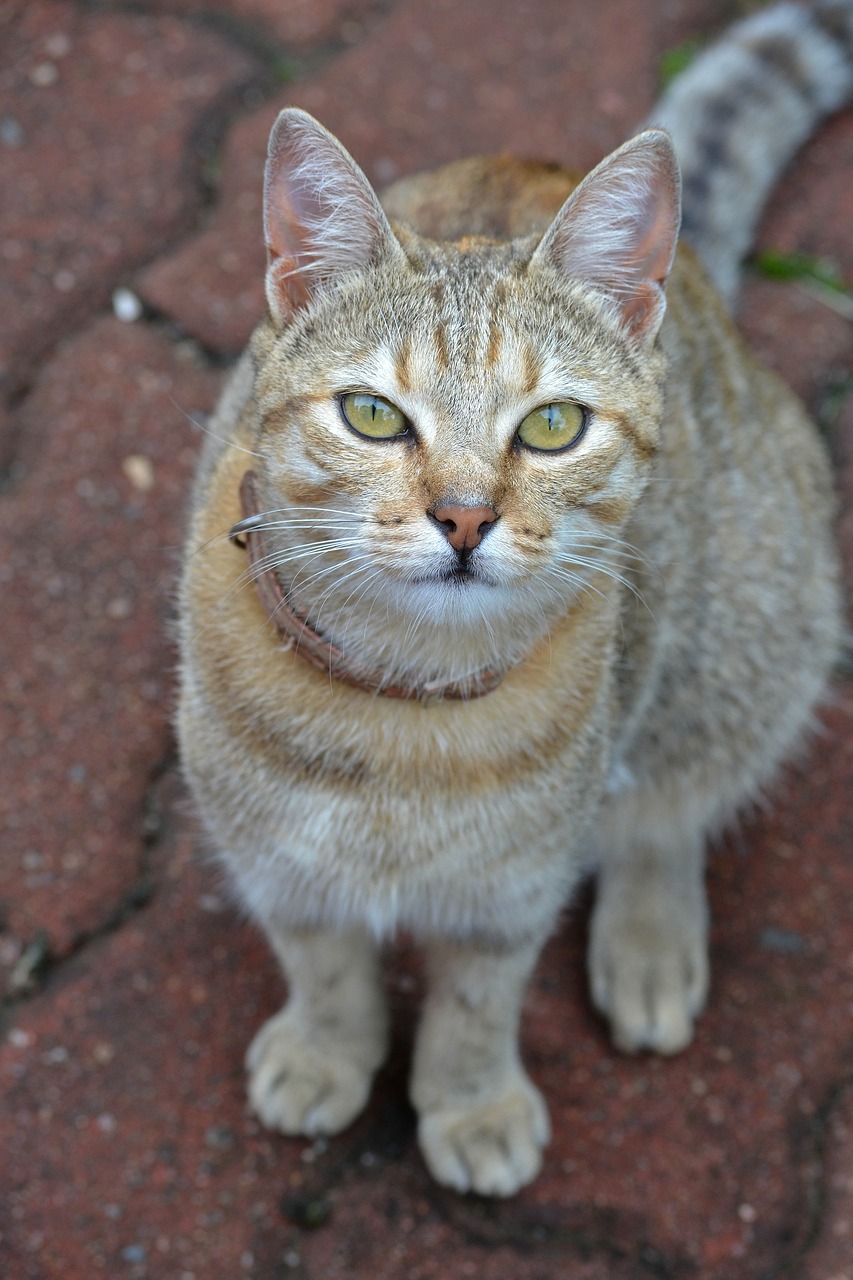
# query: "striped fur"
[[739, 113]]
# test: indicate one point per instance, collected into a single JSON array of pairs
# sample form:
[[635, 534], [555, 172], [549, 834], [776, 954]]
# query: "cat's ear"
[[321, 216], [618, 230]]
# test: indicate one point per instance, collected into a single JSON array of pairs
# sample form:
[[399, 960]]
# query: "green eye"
[[372, 416], [554, 426]]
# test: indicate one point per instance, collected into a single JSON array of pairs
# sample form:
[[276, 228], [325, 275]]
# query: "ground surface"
[[132, 141]]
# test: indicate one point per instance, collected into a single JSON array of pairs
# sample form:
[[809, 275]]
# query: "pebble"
[[126, 306]]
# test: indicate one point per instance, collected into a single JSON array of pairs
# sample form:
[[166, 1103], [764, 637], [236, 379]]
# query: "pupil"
[[373, 409]]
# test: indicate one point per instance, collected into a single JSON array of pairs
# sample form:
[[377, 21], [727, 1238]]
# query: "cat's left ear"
[[618, 230], [321, 216]]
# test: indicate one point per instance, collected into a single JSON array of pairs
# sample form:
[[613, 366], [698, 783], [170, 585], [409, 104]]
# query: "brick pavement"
[[132, 142]]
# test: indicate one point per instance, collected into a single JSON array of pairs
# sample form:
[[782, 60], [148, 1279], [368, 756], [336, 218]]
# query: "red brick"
[[103, 108], [90, 541]]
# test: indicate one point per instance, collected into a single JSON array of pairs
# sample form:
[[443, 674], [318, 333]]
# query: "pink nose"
[[464, 526]]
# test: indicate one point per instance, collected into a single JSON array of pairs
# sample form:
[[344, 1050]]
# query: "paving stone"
[[102, 117], [89, 543], [548, 82]]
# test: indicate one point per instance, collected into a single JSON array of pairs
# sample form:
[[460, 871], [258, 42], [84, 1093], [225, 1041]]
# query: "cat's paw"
[[650, 982], [492, 1147], [301, 1088]]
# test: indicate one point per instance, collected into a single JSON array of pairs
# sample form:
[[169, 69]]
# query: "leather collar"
[[297, 633]]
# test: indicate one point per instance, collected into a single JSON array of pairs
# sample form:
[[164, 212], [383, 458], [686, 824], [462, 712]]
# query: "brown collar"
[[297, 633]]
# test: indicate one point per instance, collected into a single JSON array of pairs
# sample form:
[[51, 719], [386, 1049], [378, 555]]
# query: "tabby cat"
[[529, 573]]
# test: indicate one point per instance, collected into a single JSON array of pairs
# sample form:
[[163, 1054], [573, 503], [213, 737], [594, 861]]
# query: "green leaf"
[[674, 60], [799, 266], [817, 276]]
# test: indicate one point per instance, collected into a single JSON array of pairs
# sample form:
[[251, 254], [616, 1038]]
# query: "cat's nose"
[[464, 527]]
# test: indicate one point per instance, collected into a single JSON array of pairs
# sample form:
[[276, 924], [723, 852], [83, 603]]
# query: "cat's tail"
[[739, 112]]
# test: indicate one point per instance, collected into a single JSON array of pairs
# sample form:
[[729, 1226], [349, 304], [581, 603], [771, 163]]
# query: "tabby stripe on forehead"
[[441, 352], [531, 370], [495, 331], [402, 365], [495, 342]]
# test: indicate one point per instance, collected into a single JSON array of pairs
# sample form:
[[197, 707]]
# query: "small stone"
[[11, 133], [133, 1253], [126, 306], [29, 966], [119, 609], [64, 280], [785, 941], [139, 472], [58, 45], [45, 74], [747, 1213]]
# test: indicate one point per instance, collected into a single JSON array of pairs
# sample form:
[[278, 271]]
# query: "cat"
[[514, 565]]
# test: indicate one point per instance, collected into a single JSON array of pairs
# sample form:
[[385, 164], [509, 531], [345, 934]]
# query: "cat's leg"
[[648, 946], [311, 1065], [482, 1124]]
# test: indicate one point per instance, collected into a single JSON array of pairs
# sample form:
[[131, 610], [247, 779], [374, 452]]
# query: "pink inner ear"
[[321, 216], [284, 231], [654, 247]]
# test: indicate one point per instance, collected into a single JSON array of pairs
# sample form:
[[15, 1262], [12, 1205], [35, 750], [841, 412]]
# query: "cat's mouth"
[[457, 577]]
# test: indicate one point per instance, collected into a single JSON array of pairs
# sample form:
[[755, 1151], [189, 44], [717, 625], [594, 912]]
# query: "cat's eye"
[[553, 426], [372, 416]]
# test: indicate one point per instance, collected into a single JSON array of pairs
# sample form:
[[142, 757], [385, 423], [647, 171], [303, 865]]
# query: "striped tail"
[[739, 113]]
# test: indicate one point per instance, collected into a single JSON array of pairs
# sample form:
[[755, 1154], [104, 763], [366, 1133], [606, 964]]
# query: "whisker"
[[201, 426], [609, 572], [273, 561]]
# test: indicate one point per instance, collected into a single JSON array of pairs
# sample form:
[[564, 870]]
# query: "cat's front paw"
[[649, 981], [301, 1088], [493, 1147]]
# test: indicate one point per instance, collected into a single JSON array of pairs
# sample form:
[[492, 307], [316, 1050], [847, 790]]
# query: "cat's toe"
[[649, 988], [493, 1148], [301, 1088]]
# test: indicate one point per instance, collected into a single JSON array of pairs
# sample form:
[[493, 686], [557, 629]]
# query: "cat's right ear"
[[618, 230], [321, 216]]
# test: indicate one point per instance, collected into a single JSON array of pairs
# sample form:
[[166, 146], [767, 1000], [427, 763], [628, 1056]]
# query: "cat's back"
[[498, 197]]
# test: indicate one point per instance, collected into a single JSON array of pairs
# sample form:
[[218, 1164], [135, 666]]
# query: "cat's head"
[[455, 435]]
